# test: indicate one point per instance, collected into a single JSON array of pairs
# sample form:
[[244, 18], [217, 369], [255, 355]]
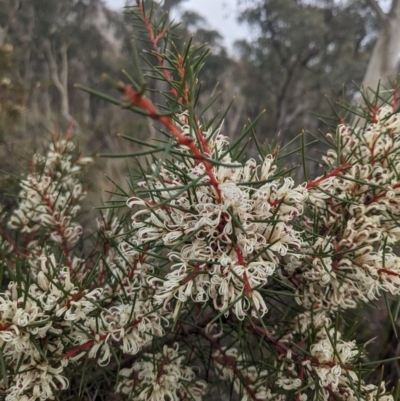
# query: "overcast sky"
[[220, 14], [222, 18]]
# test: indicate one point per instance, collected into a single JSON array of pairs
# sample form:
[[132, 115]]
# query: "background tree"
[[301, 51], [384, 62]]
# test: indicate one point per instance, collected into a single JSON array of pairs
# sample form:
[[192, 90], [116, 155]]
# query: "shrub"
[[229, 281]]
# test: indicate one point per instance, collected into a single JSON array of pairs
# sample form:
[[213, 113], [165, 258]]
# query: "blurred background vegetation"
[[300, 53]]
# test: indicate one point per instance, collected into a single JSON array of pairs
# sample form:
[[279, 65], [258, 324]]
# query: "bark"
[[59, 78], [378, 10], [384, 63], [45, 101]]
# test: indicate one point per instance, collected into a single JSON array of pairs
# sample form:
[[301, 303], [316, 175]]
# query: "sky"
[[220, 15], [222, 18]]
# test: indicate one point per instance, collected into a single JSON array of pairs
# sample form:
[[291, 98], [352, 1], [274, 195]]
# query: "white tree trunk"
[[60, 78], [384, 63]]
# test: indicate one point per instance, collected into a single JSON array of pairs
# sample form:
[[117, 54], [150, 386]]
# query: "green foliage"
[[209, 274]]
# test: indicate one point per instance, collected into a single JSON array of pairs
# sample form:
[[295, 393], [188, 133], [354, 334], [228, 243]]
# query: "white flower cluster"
[[55, 318], [162, 376], [328, 370], [347, 258], [73, 322], [35, 319], [357, 210], [134, 319], [50, 195], [221, 248], [34, 371], [214, 236]]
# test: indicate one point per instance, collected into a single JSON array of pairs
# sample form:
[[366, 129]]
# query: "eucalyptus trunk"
[[383, 66]]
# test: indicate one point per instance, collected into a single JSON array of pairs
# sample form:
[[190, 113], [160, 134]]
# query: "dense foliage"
[[214, 275]]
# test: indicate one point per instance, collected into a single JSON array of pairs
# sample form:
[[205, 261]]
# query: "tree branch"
[[64, 64], [61, 83], [53, 66], [382, 17], [395, 8]]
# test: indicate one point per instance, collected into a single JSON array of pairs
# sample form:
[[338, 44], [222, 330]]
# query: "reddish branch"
[[140, 260], [372, 150], [82, 347], [381, 195], [59, 228], [239, 256], [203, 141], [154, 39], [241, 261], [4, 327], [388, 272], [247, 286], [138, 100], [181, 73], [90, 343], [75, 297], [374, 110], [333, 173], [275, 202], [191, 276]]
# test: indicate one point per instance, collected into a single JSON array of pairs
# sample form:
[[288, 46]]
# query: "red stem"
[[154, 39], [140, 260], [388, 272], [90, 343], [374, 113], [59, 229], [139, 101], [181, 73], [275, 202], [247, 286], [75, 297], [333, 173], [191, 276], [239, 256], [82, 347], [154, 42], [375, 198]]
